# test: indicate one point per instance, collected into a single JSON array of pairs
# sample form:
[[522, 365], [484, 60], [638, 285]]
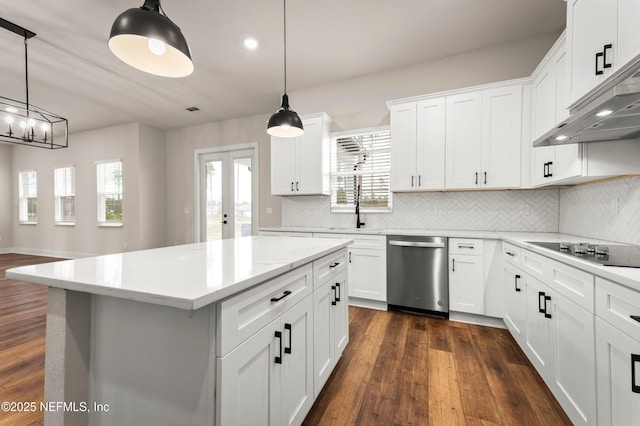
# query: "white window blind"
[[361, 158], [27, 196], [110, 193], [64, 181]]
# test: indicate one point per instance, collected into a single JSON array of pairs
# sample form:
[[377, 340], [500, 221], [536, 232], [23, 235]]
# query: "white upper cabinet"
[[418, 145], [464, 140], [300, 166], [602, 37]]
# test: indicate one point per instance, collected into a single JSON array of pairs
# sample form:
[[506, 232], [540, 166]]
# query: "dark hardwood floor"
[[398, 369]]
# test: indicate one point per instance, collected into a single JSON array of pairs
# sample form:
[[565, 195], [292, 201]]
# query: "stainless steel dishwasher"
[[417, 274]]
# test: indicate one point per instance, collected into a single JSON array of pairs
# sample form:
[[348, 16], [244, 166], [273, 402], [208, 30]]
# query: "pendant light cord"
[[26, 73], [285, 46]]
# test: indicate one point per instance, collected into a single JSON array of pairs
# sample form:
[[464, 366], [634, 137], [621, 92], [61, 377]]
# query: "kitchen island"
[[190, 334]]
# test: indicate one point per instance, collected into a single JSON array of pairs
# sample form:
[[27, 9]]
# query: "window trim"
[[20, 197], [355, 132], [102, 223]]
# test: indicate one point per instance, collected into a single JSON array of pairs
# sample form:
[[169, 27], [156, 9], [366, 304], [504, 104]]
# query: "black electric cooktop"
[[607, 255]]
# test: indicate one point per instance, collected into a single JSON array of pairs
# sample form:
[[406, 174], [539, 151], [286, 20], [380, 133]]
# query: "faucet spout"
[[358, 223]]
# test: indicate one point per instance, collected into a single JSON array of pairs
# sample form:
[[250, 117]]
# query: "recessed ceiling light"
[[250, 43], [561, 138], [604, 113]]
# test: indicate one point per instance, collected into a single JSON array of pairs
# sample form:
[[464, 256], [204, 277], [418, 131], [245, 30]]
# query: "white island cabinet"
[[210, 333]]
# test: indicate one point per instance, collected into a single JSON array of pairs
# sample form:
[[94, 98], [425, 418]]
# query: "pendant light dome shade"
[[285, 123], [149, 41]]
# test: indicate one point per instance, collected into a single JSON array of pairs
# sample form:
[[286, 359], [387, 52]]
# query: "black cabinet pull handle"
[[606, 64], [476, 178], [508, 253], [549, 174], [338, 292], [599, 55], [544, 169], [277, 299], [292, 186], [541, 299], [635, 317], [297, 186], [453, 264], [635, 387], [485, 178], [516, 282], [333, 289], [546, 299], [334, 265], [279, 337], [349, 257], [419, 180], [288, 327], [412, 181]]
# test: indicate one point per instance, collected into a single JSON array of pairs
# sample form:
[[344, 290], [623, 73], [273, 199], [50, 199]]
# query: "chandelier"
[[25, 124]]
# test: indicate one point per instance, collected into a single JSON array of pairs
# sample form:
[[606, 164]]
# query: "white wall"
[[6, 183], [141, 149]]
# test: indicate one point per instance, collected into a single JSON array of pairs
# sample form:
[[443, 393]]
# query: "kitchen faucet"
[[358, 223]]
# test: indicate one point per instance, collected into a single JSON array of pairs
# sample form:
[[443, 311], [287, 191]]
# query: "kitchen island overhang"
[[134, 336]]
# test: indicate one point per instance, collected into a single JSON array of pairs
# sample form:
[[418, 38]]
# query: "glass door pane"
[[213, 209], [242, 195]]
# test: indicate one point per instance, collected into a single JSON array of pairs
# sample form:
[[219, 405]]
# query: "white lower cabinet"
[[466, 286], [331, 328], [291, 334], [368, 274], [268, 379], [556, 333]]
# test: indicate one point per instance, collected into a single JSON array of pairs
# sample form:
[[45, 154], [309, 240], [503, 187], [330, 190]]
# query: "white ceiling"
[[72, 72]]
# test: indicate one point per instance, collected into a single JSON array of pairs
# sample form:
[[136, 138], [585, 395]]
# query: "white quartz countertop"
[[629, 277], [187, 276]]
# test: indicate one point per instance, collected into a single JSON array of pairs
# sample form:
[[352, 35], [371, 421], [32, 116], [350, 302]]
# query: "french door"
[[227, 194]]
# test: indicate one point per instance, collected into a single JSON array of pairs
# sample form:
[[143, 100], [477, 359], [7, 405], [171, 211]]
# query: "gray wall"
[[142, 151]]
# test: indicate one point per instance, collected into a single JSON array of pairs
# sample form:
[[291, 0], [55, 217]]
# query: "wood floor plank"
[[445, 405]]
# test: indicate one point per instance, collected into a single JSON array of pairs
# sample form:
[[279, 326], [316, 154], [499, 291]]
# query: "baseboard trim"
[[477, 319]]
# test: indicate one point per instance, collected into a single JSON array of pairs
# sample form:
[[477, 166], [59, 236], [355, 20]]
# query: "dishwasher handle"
[[420, 244]]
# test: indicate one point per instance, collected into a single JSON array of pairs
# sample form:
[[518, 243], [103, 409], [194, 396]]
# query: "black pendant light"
[[285, 123], [148, 40]]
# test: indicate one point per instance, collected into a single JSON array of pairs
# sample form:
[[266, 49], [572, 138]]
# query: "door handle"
[[412, 181], [549, 174], [297, 186], [546, 299], [453, 264], [334, 265], [635, 387], [599, 55], [476, 178], [604, 56], [541, 298], [508, 253], [517, 277], [291, 186], [287, 350], [279, 337], [333, 289], [412, 244], [467, 246], [485, 178], [338, 292], [419, 180]]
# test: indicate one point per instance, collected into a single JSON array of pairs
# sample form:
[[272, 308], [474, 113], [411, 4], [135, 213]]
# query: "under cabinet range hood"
[[610, 112]]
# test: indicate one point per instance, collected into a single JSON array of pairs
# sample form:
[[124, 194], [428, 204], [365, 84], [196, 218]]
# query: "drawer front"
[[617, 305], [465, 246], [368, 241], [534, 264], [329, 266], [511, 253], [241, 316], [573, 283]]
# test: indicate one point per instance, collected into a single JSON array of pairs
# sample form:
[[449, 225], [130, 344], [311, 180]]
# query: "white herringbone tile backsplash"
[[524, 211], [607, 210]]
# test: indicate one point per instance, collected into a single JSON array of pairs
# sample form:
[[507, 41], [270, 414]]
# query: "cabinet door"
[[297, 362], [403, 147], [249, 380], [618, 357], [310, 164], [466, 287], [464, 138], [501, 137], [584, 40], [283, 163], [537, 328], [574, 373], [568, 162], [627, 40], [368, 274], [341, 315], [323, 336], [516, 303], [544, 101], [430, 147]]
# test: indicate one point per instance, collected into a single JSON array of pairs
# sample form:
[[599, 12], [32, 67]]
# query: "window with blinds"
[[64, 182], [109, 193], [360, 166], [27, 196]]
